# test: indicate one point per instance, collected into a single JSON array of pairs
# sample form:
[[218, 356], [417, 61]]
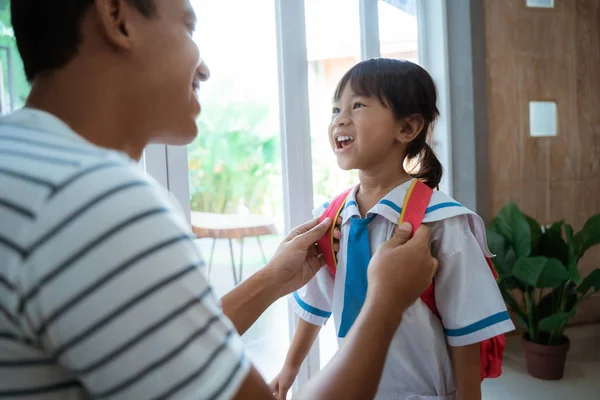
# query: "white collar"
[[388, 207]]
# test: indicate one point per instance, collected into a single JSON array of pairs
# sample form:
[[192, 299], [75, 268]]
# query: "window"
[[333, 47], [14, 87], [234, 165], [398, 29], [275, 65]]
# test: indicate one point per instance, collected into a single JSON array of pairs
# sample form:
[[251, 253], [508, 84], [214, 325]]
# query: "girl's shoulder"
[[441, 207], [446, 216]]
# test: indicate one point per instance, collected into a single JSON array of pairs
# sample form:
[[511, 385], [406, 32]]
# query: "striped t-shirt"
[[101, 293]]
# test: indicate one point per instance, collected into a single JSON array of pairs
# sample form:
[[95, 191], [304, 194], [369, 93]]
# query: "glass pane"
[[333, 46], [234, 164], [398, 29], [14, 87]]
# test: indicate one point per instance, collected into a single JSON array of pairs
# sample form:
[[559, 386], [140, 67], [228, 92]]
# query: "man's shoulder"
[[54, 173], [51, 155], [109, 181]]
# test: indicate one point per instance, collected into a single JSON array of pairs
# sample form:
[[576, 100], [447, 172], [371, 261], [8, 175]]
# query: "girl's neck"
[[375, 184]]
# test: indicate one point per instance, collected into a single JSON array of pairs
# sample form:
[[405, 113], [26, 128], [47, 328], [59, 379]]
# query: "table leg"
[[262, 252], [210, 261], [241, 258], [235, 280]]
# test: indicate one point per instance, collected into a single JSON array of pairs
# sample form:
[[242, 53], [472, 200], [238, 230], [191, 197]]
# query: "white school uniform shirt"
[[418, 365]]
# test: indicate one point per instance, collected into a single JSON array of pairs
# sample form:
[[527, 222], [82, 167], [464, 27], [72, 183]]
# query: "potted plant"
[[540, 281]]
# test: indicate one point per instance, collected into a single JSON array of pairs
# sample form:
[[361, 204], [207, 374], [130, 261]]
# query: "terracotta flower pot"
[[545, 362]]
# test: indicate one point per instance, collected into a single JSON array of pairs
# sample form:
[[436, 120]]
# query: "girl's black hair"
[[406, 89]]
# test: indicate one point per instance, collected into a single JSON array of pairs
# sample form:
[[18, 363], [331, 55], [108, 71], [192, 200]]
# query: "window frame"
[[169, 164]]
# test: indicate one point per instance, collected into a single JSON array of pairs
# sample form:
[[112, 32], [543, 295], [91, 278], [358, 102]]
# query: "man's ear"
[[115, 20], [409, 128]]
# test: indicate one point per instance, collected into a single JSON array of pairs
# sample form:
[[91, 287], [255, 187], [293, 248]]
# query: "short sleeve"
[[130, 314], [466, 293], [313, 302]]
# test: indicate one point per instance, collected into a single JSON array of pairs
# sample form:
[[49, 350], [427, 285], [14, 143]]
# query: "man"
[[100, 291]]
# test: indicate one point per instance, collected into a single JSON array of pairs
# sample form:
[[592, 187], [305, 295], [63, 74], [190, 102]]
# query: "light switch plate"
[[540, 3], [543, 118]]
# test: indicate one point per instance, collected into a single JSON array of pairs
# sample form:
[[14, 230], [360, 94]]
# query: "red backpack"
[[413, 210]]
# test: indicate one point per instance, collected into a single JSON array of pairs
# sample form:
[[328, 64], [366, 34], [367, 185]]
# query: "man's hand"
[[401, 269], [297, 259]]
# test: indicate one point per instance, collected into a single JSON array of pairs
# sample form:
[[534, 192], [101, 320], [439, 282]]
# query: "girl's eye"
[[358, 105], [335, 110]]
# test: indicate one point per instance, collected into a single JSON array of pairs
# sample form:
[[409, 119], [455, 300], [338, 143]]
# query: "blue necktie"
[[357, 261]]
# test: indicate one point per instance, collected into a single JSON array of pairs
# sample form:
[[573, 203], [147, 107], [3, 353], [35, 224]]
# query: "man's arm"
[[250, 299], [355, 370], [295, 262]]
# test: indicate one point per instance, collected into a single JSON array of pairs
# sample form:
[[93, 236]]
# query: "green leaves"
[[540, 272], [555, 322], [572, 257], [530, 259], [505, 256], [514, 227], [588, 236], [235, 160], [592, 281], [552, 244], [553, 301], [536, 234]]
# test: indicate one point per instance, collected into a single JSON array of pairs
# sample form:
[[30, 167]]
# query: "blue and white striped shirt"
[[100, 289]]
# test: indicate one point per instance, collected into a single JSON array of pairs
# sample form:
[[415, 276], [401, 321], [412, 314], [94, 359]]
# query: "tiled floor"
[[267, 341]]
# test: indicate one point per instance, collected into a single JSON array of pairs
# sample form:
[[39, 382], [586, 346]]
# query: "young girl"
[[383, 112]]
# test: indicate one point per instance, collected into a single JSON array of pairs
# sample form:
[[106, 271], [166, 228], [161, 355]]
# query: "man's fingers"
[[422, 235], [401, 236], [315, 233], [305, 227]]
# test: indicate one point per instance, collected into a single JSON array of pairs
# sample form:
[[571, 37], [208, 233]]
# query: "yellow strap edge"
[[406, 198], [334, 222]]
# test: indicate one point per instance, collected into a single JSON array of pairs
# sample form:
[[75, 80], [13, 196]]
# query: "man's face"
[[170, 72]]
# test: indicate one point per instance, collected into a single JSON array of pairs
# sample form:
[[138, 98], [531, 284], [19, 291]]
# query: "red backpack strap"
[[332, 211], [414, 208], [415, 204]]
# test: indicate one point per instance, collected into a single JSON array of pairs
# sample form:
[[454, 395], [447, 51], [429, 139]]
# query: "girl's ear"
[[409, 128]]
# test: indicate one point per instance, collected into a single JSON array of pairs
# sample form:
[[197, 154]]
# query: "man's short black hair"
[[48, 32]]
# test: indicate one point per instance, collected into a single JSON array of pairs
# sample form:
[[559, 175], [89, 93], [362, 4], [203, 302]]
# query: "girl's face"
[[363, 133]]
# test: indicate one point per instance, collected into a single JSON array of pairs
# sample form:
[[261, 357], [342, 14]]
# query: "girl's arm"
[[305, 336], [467, 296], [467, 371]]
